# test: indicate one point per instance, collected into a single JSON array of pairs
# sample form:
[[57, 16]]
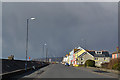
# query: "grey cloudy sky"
[[62, 25]]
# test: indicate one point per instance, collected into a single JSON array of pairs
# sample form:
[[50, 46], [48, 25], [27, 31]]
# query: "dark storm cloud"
[[62, 25]]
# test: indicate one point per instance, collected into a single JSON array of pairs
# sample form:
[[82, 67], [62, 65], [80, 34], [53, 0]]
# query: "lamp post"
[[46, 54], [27, 41], [43, 48]]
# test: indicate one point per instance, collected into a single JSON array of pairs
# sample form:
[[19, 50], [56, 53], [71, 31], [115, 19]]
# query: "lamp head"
[[32, 18]]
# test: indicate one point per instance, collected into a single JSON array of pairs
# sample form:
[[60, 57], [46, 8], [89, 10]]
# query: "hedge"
[[90, 63]]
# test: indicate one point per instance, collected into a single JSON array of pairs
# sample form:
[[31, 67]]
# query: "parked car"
[[66, 64], [53, 62], [62, 62]]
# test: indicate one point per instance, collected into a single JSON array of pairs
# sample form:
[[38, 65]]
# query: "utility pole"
[[43, 50], [46, 54]]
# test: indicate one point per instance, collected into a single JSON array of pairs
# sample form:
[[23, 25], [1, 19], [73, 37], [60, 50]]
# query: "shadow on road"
[[25, 74], [100, 71]]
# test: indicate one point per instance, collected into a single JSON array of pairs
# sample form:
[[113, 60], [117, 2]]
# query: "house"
[[75, 55], [68, 58], [71, 57], [78, 53], [65, 59], [116, 54], [98, 56], [79, 56]]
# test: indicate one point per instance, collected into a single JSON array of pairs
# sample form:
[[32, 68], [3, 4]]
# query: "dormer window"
[[98, 52]]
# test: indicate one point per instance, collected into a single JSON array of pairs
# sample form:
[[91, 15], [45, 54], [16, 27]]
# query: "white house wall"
[[101, 60], [85, 57], [71, 56]]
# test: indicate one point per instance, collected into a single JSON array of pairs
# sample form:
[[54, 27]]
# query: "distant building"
[[50, 60], [116, 54], [65, 59], [11, 57]]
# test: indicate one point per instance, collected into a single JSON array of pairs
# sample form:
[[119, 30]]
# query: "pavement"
[[61, 71], [99, 72]]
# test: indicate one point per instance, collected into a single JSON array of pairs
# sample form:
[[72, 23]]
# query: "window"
[[104, 58], [81, 58], [96, 58], [81, 62], [98, 52]]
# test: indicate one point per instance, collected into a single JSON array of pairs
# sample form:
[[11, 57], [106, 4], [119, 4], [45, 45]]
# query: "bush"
[[80, 65], [113, 63], [90, 63], [116, 66], [104, 65], [71, 64]]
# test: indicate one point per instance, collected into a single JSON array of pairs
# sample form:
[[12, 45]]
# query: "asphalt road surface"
[[61, 71]]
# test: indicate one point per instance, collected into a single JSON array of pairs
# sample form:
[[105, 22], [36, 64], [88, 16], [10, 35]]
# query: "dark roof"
[[75, 50], [116, 53], [82, 54], [104, 54]]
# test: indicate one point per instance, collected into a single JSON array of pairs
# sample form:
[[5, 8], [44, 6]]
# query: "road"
[[61, 71]]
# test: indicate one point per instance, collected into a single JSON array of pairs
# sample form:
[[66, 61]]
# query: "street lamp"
[[32, 18], [46, 54], [46, 51], [45, 44], [43, 47]]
